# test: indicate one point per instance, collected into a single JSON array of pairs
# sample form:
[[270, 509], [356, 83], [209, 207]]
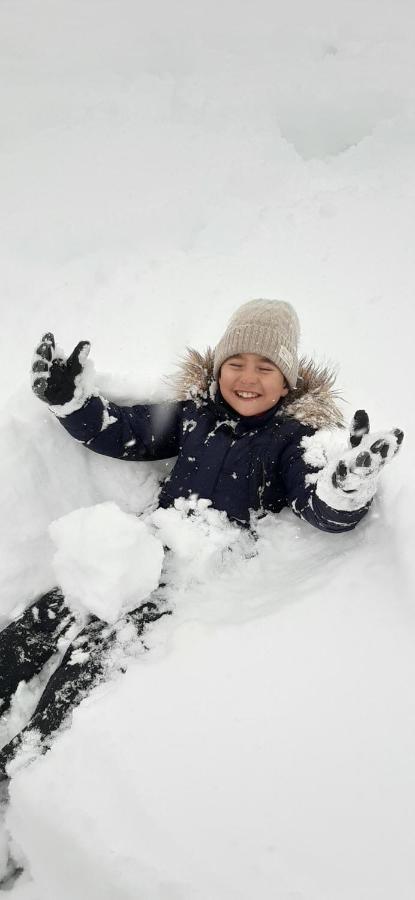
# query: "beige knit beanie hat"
[[267, 327]]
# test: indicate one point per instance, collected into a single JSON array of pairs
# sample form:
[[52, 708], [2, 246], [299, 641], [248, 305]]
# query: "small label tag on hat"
[[286, 356]]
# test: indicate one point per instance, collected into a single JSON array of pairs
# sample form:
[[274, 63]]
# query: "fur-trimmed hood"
[[313, 402]]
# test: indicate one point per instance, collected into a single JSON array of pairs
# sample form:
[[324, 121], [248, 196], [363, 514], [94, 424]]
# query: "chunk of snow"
[[106, 561], [201, 537], [107, 419], [189, 425]]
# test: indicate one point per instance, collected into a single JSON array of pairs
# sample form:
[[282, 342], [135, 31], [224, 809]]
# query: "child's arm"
[[141, 432], [336, 496]]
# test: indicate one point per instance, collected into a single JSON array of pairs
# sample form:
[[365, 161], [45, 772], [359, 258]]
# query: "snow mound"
[[106, 561], [273, 747], [199, 536]]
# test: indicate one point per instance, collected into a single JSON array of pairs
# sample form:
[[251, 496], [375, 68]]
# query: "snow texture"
[[160, 166], [106, 561], [200, 538]]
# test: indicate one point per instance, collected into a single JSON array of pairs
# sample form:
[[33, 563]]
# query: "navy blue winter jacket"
[[240, 463]]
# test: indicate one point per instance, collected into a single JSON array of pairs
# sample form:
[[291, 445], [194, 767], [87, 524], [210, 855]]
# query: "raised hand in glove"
[[351, 481], [55, 379]]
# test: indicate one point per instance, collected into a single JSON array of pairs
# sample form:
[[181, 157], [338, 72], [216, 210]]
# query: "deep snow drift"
[[160, 167], [268, 729]]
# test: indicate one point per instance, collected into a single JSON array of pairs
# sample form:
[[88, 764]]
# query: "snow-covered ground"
[[160, 165]]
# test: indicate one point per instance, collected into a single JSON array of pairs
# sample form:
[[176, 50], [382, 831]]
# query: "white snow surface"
[[106, 560], [160, 166]]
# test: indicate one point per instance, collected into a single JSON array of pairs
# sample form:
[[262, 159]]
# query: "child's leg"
[[86, 662], [27, 643]]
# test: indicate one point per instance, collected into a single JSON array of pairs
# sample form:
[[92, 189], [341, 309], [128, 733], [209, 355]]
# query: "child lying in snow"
[[243, 434], [238, 433]]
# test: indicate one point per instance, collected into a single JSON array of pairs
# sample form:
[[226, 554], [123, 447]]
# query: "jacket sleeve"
[[141, 432], [300, 479]]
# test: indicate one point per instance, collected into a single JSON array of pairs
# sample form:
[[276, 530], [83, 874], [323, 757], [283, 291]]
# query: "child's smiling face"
[[251, 384]]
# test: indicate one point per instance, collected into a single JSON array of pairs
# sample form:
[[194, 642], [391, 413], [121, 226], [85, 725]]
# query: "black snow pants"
[[28, 643]]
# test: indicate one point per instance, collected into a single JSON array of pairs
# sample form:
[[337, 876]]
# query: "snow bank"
[[279, 745], [280, 748], [106, 561]]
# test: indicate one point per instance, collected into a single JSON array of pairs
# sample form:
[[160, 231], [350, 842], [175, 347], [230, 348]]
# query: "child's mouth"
[[247, 395]]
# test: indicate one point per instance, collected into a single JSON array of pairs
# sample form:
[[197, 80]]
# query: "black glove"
[[54, 378], [366, 461]]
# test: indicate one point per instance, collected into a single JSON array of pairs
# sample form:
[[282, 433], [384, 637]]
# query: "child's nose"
[[249, 377]]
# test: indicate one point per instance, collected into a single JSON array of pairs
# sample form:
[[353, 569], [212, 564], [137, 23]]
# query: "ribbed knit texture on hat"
[[267, 327]]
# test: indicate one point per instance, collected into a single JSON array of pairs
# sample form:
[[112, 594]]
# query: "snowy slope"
[[159, 167]]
